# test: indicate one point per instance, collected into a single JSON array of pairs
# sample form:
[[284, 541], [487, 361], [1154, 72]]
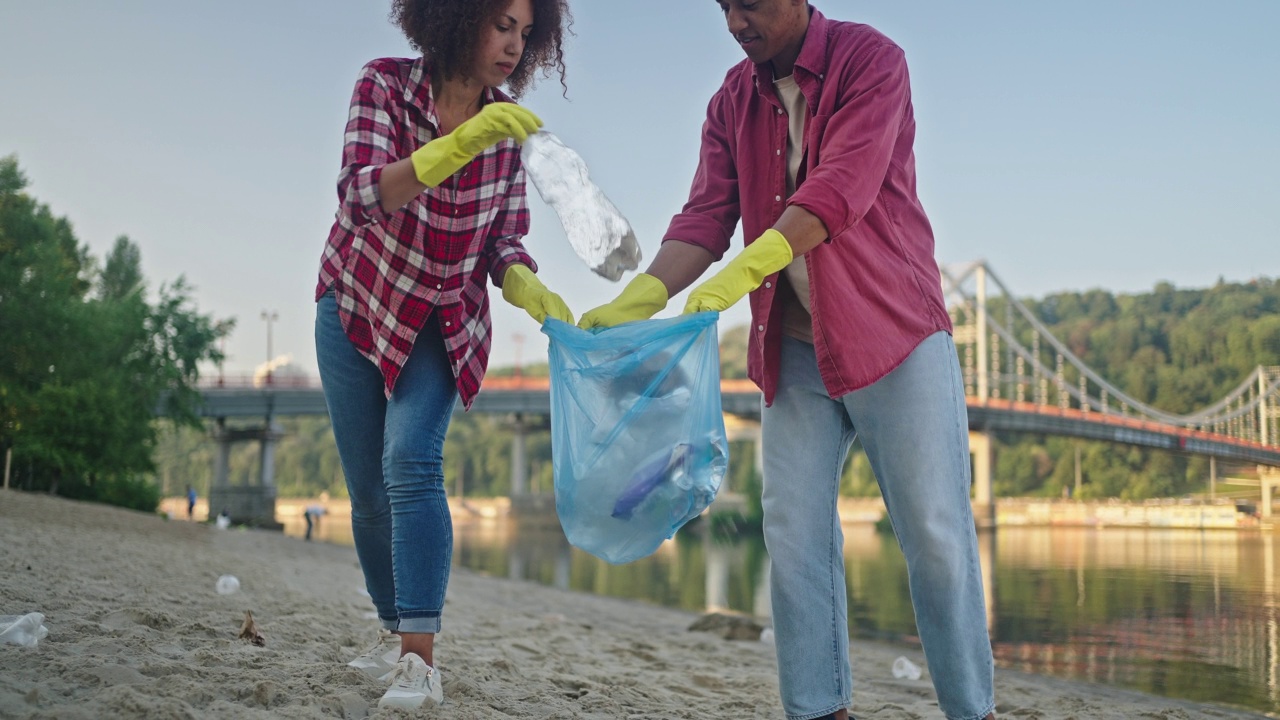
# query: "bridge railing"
[[492, 382], [241, 382]]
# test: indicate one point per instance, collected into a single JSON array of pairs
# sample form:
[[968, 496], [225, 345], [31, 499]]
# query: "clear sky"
[[1073, 145]]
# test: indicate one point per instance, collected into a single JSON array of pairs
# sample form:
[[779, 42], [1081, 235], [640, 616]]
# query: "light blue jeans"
[[914, 427], [392, 455]]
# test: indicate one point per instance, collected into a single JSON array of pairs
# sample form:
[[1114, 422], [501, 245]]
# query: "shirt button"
[[779, 151], [447, 323], [777, 198], [779, 111], [768, 285], [760, 328], [439, 287]]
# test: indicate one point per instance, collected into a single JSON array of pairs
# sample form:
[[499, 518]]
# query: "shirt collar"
[[418, 92], [812, 59]]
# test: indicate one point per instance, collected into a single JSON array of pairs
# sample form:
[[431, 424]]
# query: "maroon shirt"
[[875, 290], [391, 271]]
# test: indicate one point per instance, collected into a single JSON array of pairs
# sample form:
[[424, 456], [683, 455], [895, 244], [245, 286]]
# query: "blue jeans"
[[392, 456], [914, 427]]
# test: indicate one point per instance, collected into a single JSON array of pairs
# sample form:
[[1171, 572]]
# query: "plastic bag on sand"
[[904, 668], [25, 630], [597, 231], [637, 434]]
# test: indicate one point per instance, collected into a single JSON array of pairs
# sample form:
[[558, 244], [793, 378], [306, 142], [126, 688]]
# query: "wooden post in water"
[[8, 460]]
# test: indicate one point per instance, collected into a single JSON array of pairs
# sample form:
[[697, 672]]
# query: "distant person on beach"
[[431, 207], [191, 502], [809, 142], [312, 515]]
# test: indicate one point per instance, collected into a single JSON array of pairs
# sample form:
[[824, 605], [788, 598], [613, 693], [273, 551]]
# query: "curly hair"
[[446, 32]]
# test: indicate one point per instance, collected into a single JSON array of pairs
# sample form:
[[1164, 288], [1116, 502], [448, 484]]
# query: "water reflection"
[[1185, 613]]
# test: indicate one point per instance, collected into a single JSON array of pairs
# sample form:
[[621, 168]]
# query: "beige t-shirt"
[[796, 319]]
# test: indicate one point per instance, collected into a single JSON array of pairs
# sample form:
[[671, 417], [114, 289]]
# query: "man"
[[312, 515], [809, 142]]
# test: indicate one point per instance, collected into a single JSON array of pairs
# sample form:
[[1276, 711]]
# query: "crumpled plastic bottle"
[[25, 630], [597, 231]]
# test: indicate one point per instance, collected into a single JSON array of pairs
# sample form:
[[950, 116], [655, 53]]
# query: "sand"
[[136, 630]]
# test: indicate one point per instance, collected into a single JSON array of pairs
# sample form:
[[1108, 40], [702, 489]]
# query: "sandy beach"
[[136, 630]]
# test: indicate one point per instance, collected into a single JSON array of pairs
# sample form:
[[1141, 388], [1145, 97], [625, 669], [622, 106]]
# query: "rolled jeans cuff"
[[426, 624]]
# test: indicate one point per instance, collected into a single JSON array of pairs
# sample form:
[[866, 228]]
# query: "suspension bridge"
[[1019, 378]]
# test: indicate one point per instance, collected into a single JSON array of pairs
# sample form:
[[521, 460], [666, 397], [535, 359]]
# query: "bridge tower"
[[980, 442], [1268, 434]]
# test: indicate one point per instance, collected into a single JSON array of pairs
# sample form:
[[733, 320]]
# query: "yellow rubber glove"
[[639, 300], [522, 288], [769, 254], [446, 155]]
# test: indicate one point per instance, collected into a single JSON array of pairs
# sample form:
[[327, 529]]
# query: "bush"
[[135, 493]]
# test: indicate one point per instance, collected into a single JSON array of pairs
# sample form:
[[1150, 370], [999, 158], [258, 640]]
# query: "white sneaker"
[[413, 683], [379, 661]]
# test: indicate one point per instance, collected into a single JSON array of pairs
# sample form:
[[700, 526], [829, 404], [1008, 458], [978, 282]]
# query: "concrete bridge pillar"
[[271, 434], [536, 508], [519, 461], [743, 429], [221, 461], [984, 507], [1270, 480], [253, 504]]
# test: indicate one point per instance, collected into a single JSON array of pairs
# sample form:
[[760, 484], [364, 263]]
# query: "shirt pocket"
[[814, 132]]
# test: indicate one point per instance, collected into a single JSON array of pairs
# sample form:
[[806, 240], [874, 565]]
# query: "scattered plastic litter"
[[25, 630], [598, 232], [227, 584], [904, 668]]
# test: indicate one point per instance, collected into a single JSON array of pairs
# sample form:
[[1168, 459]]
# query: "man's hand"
[[447, 154], [769, 254], [639, 300], [522, 288]]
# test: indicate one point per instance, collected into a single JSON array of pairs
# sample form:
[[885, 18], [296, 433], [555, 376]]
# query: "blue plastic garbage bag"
[[637, 434]]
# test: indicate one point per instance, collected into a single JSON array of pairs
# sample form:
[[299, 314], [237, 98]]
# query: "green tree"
[[733, 353], [122, 273], [87, 359]]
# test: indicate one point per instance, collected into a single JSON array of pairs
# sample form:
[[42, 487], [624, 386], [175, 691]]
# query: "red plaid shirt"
[[391, 271]]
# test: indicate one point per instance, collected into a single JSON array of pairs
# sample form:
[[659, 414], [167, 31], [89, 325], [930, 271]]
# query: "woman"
[[431, 204]]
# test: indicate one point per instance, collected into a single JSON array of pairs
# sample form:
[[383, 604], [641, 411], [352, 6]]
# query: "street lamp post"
[[270, 317]]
